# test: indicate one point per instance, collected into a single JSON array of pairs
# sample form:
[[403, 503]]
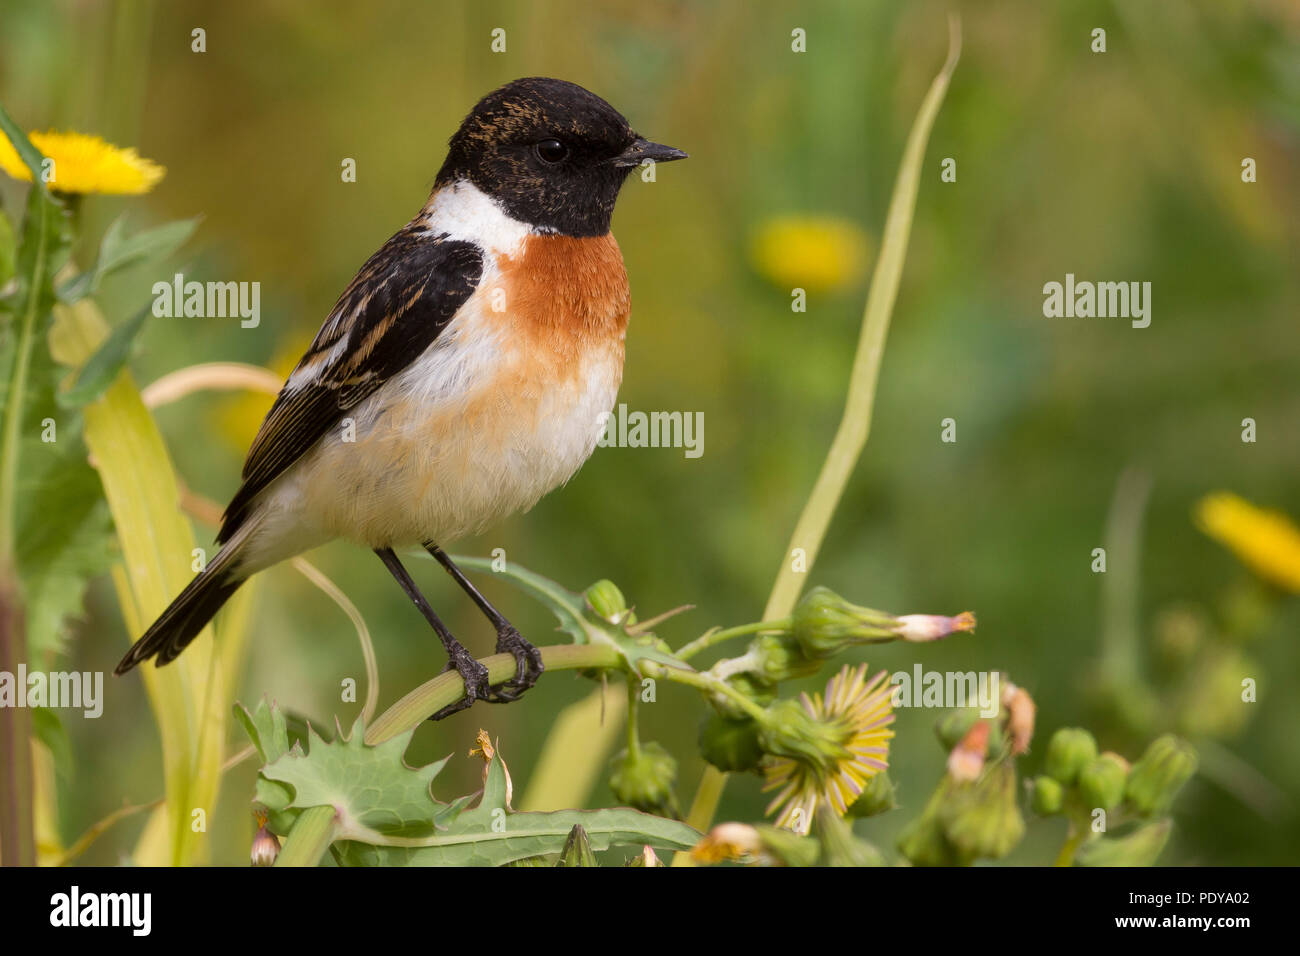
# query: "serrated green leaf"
[[266, 729], [491, 834], [370, 788], [118, 251], [99, 372]]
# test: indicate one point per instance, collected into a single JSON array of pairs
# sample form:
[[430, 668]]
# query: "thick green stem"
[[633, 702], [447, 688], [17, 393], [309, 838]]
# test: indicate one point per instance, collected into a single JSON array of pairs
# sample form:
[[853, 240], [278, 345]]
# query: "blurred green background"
[[1117, 166]]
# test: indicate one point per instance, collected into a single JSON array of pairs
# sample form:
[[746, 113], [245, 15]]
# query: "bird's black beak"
[[642, 149]]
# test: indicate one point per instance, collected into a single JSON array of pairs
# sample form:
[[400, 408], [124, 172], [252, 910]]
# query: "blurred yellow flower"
[[1268, 542], [814, 253], [85, 164]]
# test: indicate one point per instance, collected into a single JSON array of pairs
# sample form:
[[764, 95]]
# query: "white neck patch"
[[463, 211]]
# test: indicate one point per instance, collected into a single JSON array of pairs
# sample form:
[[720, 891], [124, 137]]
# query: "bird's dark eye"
[[551, 151]]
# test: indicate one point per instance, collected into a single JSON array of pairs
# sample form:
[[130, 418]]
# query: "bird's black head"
[[553, 154]]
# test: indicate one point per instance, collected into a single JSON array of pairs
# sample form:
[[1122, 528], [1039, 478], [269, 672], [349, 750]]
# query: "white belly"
[[474, 430]]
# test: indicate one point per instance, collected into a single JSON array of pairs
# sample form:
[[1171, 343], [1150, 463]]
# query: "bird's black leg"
[[528, 659], [471, 671]]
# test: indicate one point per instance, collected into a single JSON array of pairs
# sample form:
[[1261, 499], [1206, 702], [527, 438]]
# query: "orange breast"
[[564, 296]]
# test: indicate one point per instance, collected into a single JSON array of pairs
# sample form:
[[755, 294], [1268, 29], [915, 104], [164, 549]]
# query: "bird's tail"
[[189, 613]]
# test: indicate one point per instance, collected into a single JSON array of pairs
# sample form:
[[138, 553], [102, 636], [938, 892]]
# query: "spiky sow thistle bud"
[[1160, 773], [824, 624], [645, 780], [1070, 750], [1101, 783]]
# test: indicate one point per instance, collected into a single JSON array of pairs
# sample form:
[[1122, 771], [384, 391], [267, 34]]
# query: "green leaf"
[[370, 788], [118, 250], [576, 618], [102, 368], [28, 153], [491, 834], [65, 537]]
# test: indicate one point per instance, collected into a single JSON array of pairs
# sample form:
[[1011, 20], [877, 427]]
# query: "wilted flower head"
[[824, 624], [84, 164], [266, 846], [966, 761], [1268, 542], [824, 750], [762, 845]]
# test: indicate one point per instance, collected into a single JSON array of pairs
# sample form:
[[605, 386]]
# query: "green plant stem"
[[17, 834], [447, 688], [309, 838], [717, 636], [16, 395], [1073, 839], [705, 682], [855, 426], [633, 733]]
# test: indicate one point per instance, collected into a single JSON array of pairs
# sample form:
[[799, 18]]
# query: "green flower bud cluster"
[[645, 780], [1077, 775]]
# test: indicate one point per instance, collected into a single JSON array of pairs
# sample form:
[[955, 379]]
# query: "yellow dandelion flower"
[[1267, 542], [858, 712], [82, 163], [814, 253]]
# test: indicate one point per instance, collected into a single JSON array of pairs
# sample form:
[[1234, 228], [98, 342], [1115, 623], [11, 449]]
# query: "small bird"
[[464, 373]]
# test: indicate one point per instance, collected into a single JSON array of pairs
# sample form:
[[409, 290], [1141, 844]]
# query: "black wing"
[[400, 301]]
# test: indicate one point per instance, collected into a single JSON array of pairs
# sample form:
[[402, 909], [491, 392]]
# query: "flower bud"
[[608, 602], [824, 624], [645, 780], [647, 857], [982, 819], [966, 762], [1048, 796], [1142, 847], [955, 725], [266, 846], [1070, 750], [761, 694], [876, 797], [778, 657], [1101, 783], [730, 745], [577, 849], [1160, 773]]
